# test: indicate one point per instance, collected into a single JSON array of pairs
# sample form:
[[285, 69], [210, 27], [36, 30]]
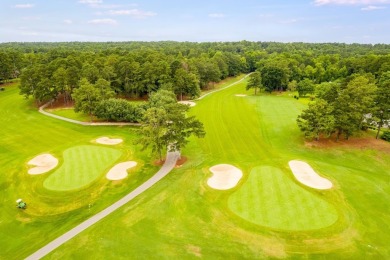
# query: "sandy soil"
[[190, 103], [119, 171], [43, 163], [307, 176], [108, 141], [353, 143], [225, 176], [240, 95]]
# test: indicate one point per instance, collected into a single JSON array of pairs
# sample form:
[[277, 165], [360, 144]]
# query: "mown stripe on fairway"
[[269, 198], [232, 127], [82, 165]]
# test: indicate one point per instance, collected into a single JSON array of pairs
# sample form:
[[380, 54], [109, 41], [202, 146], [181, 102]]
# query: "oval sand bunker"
[[190, 103], [43, 163], [108, 141], [119, 171], [240, 95], [225, 176], [307, 176]]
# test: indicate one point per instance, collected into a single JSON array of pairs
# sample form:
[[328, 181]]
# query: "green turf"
[[181, 217], [81, 166], [24, 134], [224, 83], [69, 113], [269, 198]]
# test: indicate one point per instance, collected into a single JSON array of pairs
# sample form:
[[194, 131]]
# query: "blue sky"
[[349, 21]]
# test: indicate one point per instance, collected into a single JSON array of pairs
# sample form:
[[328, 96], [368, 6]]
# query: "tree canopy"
[[165, 124], [254, 81]]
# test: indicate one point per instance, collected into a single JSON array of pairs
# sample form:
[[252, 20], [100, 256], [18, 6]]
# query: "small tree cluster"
[[343, 108]]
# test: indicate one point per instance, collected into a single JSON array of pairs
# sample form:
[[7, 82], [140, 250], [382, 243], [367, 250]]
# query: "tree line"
[[346, 79], [133, 74], [49, 70]]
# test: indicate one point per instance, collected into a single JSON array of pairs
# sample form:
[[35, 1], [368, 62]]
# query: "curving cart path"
[[42, 111], [228, 86], [170, 162]]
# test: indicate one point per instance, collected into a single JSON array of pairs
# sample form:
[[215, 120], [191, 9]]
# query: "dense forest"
[[336, 74]]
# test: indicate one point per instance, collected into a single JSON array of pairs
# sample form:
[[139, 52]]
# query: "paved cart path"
[[170, 162], [42, 110]]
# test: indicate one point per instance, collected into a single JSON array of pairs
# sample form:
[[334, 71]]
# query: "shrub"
[[120, 110], [386, 136]]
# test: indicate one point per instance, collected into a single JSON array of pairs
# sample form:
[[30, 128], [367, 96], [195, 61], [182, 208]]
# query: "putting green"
[[82, 165], [269, 198]]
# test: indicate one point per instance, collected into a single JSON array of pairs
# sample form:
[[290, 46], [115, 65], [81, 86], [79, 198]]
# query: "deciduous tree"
[[382, 100], [305, 87], [86, 98], [165, 124], [254, 81]]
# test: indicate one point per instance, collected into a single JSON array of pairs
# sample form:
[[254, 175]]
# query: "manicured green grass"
[[82, 165], [222, 84], [26, 133], [269, 198], [69, 113], [181, 217]]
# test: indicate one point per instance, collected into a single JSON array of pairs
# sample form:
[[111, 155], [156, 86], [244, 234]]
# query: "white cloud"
[[100, 6], [217, 15], [132, 12], [68, 21], [24, 6], [91, 2], [372, 8], [350, 2], [103, 21]]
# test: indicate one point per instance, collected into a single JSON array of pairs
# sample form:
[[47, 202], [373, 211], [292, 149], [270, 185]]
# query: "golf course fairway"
[[181, 216]]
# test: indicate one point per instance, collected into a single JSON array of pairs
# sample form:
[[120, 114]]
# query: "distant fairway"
[[269, 198], [82, 165]]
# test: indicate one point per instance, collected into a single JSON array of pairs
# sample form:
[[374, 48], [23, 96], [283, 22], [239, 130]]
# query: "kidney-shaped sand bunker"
[[307, 176], [43, 163], [225, 176], [119, 171]]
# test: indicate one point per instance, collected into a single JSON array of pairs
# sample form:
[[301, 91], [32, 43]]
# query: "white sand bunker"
[[225, 176], [119, 171], [240, 95], [306, 175], [190, 103], [43, 163], [108, 141]]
